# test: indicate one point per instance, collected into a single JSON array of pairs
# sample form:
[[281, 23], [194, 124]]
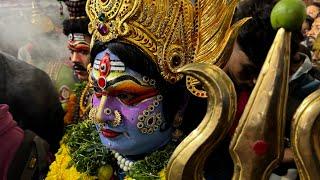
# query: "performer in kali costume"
[[141, 103]]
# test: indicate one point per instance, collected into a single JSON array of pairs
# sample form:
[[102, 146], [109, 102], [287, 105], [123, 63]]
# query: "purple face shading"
[[128, 108]]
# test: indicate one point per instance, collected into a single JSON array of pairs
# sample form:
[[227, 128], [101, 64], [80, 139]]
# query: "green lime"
[[288, 14], [105, 172]]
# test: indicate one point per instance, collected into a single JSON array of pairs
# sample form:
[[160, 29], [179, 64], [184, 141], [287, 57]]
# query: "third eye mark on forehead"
[[116, 64], [122, 78]]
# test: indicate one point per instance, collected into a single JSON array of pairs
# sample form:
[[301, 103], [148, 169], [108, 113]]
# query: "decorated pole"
[[258, 144]]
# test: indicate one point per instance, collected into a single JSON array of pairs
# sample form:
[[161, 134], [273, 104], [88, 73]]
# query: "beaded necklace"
[[149, 167], [122, 162]]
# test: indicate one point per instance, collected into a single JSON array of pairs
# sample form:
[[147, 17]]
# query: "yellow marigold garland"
[[81, 140], [60, 169]]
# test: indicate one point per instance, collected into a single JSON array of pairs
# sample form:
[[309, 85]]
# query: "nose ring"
[[117, 117]]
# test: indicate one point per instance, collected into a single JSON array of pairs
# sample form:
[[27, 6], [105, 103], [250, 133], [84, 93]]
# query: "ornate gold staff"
[[257, 145]]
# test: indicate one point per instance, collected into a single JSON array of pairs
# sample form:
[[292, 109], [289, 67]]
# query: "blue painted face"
[[127, 106]]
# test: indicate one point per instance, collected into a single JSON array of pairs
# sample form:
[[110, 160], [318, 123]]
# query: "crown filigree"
[[162, 29], [172, 32]]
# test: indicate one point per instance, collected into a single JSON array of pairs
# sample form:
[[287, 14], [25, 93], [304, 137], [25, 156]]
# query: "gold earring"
[[92, 114]]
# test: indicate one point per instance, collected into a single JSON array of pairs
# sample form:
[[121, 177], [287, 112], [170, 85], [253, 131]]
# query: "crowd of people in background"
[[310, 30]]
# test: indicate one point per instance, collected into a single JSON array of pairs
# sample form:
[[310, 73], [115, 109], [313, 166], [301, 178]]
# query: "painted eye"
[[105, 65], [103, 68], [127, 98]]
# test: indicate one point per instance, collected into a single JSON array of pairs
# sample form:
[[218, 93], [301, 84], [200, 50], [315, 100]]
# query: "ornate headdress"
[[76, 9], [78, 20], [76, 26], [172, 32]]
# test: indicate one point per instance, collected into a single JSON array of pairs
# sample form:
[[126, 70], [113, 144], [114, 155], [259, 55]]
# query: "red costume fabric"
[[11, 137], [242, 100]]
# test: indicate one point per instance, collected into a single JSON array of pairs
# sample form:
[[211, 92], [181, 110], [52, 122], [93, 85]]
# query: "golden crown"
[[172, 32]]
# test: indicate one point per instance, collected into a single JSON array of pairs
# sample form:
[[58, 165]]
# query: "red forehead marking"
[[102, 82]]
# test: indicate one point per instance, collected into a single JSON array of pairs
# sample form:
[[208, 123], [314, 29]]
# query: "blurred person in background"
[[32, 98], [313, 10]]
